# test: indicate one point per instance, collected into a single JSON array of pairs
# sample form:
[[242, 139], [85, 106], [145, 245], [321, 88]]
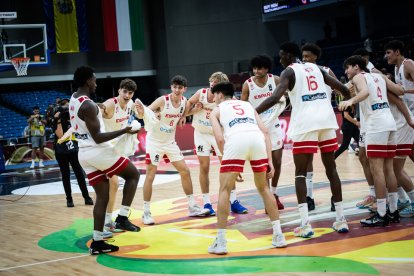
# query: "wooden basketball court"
[[40, 236]]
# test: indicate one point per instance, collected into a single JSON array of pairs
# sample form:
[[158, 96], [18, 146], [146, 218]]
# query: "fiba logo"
[[270, 87], [65, 6], [157, 158]]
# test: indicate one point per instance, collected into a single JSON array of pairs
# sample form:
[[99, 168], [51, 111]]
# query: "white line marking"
[[195, 234], [45, 262]]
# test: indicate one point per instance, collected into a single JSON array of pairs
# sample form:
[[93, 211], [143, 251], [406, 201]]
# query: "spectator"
[[37, 135], [67, 153]]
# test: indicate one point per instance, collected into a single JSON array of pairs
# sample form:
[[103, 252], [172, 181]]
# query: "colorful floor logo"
[[177, 244]]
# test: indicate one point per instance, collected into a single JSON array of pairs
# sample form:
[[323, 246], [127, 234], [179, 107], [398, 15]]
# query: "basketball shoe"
[[218, 247], [209, 207], [340, 226], [375, 220], [101, 247], [305, 231], [279, 241], [366, 202], [237, 208], [147, 218], [123, 223], [197, 211], [408, 211]]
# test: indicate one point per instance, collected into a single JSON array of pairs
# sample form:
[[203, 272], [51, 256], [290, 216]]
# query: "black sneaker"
[[375, 220], [311, 203], [88, 201], [332, 205], [393, 217], [101, 247], [123, 223], [69, 203]]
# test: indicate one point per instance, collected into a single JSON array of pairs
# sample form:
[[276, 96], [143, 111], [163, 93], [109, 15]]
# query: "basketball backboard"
[[23, 40]]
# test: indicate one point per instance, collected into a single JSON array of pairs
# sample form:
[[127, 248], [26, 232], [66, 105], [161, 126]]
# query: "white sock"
[[233, 196], [221, 234], [33, 161], [146, 205], [339, 209], [277, 230], [108, 218], [382, 206], [392, 201], [191, 200], [206, 198], [273, 190], [303, 212], [124, 211], [402, 196], [372, 191], [309, 184], [411, 195], [97, 235]]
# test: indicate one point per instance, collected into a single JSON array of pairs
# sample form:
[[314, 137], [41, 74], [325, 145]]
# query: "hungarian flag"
[[123, 25], [67, 30]]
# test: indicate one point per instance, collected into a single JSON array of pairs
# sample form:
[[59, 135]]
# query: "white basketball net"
[[21, 64]]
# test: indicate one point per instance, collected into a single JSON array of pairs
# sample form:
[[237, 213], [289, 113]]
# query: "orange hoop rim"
[[18, 59]]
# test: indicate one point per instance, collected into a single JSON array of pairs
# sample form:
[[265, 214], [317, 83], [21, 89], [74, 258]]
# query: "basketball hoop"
[[20, 64]]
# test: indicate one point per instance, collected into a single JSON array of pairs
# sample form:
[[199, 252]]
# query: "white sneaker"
[[340, 226], [107, 234], [197, 211], [110, 227], [147, 218], [303, 231], [279, 241], [32, 165], [41, 163], [218, 247]]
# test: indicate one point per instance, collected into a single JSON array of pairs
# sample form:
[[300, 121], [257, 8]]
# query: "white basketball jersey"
[[201, 119], [170, 115], [83, 135], [258, 94], [400, 79], [328, 88], [237, 116], [311, 106], [399, 118], [120, 117], [375, 108]]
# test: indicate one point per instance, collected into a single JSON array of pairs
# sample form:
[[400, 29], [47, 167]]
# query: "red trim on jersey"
[[166, 160], [232, 165], [381, 151], [404, 150], [305, 147], [96, 177], [204, 91], [147, 159], [328, 145], [118, 167], [259, 165], [269, 75], [83, 98], [213, 151], [166, 97], [115, 100], [249, 79]]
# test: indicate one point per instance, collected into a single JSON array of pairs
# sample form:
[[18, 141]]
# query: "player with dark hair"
[[98, 158], [313, 124], [255, 90], [230, 120]]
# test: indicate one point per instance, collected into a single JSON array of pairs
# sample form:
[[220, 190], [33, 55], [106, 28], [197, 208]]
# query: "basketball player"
[[98, 158], [313, 124], [404, 72], [116, 114], [200, 106], [310, 53], [255, 90], [405, 140], [380, 140], [160, 144], [230, 120]]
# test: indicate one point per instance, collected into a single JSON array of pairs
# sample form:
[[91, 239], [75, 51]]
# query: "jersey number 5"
[[237, 107]]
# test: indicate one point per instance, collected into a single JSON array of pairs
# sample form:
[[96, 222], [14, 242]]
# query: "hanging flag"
[[67, 29], [123, 25]]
